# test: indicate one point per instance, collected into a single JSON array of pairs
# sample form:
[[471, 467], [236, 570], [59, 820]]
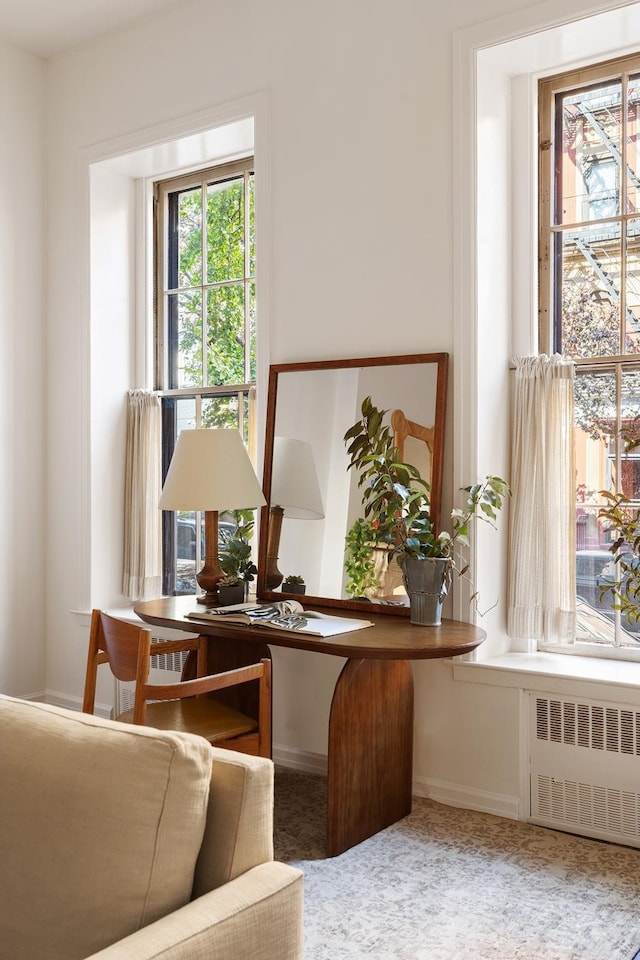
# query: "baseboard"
[[453, 795], [450, 794], [302, 760], [75, 703]]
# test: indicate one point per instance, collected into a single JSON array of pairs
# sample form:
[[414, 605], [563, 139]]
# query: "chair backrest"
[[127, 647], [123, 642]]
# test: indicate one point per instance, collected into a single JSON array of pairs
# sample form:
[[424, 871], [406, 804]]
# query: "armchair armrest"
[[239, 826], [257, 916]]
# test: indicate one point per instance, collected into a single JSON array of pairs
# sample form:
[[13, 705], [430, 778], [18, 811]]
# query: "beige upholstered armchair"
[[121, 842]]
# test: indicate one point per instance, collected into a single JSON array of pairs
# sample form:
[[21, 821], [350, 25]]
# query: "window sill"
[[599, 679]]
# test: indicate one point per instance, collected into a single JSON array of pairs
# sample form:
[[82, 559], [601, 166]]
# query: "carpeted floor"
[[450, 884]]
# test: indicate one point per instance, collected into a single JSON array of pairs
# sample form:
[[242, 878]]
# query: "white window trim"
[[494, 222], [142, 154]]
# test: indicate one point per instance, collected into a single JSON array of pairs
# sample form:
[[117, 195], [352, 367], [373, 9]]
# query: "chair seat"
[[201, 715]]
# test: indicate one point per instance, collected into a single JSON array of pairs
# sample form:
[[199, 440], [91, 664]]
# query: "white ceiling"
[[48, 27]]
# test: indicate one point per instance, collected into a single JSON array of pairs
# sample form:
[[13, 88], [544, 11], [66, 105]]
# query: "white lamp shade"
[[210, 470], [294, 480]]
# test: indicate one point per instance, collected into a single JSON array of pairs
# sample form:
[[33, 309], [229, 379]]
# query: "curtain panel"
[[542, 542], [142, 568]]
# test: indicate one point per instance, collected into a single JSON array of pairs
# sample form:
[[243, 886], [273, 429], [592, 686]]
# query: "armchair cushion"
[[257, 916], [111, 831]]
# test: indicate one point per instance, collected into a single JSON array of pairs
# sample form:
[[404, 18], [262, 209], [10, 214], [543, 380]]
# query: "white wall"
[[360, 246], [22, 479]]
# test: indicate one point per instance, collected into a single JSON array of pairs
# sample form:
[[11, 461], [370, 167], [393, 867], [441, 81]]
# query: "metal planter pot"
[[427, 582]]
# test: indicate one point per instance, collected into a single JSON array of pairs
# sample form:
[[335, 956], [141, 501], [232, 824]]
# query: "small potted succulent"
[[294, 583], [231, 590], [396, 503]]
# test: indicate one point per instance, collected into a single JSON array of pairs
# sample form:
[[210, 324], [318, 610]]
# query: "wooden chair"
[[183, 706]]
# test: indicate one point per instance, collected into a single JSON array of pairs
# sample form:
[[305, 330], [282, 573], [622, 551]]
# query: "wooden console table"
[[370, 742]]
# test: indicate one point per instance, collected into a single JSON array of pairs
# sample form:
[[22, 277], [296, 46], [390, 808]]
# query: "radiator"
[[165, 668], [585, 768]]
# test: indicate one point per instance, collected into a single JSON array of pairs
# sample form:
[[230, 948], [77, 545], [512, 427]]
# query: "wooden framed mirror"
[[312, 499]]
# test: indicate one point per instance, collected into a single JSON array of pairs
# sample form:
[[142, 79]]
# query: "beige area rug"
[[450, 884]]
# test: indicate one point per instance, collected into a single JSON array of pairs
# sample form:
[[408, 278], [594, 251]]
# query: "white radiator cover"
[[165, 668], [585, 767]]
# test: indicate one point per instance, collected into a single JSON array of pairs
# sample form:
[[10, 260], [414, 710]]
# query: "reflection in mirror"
[[313, 499]]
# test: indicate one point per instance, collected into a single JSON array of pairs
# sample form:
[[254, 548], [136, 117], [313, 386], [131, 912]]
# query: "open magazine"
[[282, 615]]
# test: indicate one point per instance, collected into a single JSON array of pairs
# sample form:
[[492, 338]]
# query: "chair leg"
[[264, 718]]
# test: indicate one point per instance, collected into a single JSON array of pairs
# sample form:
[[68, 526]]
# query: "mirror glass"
[[313, 499]]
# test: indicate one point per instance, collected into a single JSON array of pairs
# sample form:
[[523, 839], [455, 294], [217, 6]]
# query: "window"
[[205, 327], [590, 302]]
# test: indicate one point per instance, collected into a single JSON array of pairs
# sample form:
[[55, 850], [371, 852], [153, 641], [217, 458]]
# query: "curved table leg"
[[370, 760]]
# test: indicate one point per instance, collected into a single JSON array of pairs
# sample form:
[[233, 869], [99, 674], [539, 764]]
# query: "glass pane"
[[225, 231], [252, 333], [588, 155], [252, 227], [185, 318], [590, 271], [185, 408], [595, 396], [225, 335], [633, 145], [629, 482], [632, 319], [190, 238], [220, 411], [596, 470]]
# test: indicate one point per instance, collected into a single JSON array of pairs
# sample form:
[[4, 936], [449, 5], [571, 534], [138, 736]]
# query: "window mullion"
[[247, 271], [204, 296]]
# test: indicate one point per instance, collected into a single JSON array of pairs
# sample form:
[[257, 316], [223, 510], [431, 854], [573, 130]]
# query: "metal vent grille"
[[168, 665], [585, 767], [593, 726], [604, 809], [174, 662]]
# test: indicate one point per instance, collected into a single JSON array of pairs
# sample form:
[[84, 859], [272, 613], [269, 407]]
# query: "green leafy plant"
[[359, 561], [396, 498], [228, 581], [235, 556], [624, 523]]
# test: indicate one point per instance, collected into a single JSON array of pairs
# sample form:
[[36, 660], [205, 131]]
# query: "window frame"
[[550, 291], [164, 380]]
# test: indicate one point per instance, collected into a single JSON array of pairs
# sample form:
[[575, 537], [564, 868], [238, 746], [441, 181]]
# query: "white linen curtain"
[[142, 568], [542, 599]]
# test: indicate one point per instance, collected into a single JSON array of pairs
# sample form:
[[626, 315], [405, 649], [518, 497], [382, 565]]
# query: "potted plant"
[[235, 554], [230, 590], [294, 583], [396, 502]]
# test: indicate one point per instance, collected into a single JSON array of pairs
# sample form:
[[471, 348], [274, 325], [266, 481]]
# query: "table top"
[[390, 637]]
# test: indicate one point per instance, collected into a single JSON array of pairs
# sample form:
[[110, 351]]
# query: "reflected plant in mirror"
[[397, 514]]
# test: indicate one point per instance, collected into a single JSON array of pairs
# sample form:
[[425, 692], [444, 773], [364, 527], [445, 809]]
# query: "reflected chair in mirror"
[[414, 443], [184, 706]]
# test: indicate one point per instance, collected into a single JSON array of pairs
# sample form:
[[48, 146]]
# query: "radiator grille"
[[585, 768], [588, 725], [605, 809], [164, 668]]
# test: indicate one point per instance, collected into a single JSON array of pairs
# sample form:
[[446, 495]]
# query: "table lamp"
[[295, 493], [210, 470]]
